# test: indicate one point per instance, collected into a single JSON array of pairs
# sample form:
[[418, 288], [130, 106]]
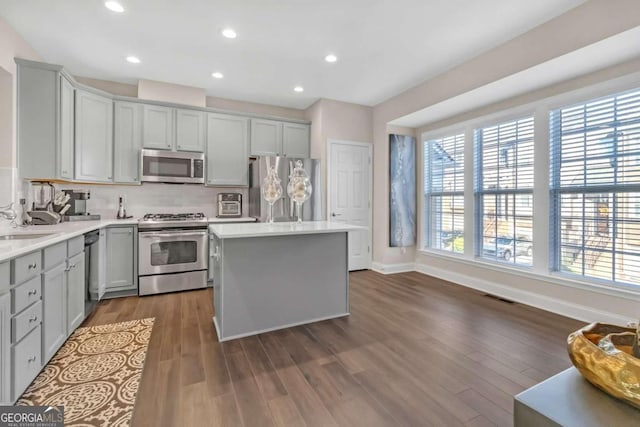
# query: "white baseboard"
[[564, 308], [378, 267]]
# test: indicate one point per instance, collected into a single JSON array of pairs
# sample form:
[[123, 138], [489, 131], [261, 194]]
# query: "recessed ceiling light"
[[114, 6], [229, 33], [217, 75], [298, 89], [133, 59], [331, 58]]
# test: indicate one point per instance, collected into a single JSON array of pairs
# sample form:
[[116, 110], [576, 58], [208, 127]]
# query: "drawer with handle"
[[25, 267], [23, 323], [26, 294], [26, 361]]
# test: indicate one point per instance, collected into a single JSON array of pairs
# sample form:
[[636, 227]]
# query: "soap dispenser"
[[122, 212]]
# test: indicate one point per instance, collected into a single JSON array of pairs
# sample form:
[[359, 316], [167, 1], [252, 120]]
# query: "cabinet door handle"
[[72, 266], [31, 359], [32, 266], [33, 319], [33, 292]]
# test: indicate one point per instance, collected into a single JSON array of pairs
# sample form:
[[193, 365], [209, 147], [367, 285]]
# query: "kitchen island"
[[273, 276]]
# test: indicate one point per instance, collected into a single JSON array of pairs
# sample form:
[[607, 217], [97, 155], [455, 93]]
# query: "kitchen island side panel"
[[275, 282]]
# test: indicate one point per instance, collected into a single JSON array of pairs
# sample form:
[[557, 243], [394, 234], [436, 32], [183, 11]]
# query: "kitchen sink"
[[24, 236]]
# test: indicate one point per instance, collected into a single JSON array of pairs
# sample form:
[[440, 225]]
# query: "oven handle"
[[173, 234]]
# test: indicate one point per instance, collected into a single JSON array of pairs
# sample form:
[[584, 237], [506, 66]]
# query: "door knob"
[[335, 214]]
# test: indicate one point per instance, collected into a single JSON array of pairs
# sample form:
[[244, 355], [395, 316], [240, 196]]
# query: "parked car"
[[448, 236], [503, 247]]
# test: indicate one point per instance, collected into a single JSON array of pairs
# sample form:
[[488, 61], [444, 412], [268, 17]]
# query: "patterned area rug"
[[95, 375]]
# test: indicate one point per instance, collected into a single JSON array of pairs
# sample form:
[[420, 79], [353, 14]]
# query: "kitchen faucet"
[[8, 213]]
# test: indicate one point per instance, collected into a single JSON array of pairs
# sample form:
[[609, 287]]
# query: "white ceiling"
[[384, 47]]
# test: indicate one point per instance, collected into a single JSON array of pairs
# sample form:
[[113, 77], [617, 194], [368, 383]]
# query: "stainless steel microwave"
[[171, 166]]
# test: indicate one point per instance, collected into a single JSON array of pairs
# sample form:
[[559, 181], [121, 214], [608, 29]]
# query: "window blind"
[[595, 188], [504, 191], [444, 193]]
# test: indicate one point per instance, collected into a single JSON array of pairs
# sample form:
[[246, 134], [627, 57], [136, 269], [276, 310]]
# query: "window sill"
[[557, 278]]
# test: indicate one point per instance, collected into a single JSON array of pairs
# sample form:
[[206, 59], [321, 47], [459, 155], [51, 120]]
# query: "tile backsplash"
[[154, 198]]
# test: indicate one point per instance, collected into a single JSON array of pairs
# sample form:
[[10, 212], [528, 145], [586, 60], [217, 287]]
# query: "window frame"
[[427, 193], [499, 110], [614, 190], [479, 191]]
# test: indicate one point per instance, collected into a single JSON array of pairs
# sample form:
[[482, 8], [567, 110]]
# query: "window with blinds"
[[504, 192], [595, 188], [444, 193]]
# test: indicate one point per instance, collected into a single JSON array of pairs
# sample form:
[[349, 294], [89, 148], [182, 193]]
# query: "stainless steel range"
[[172, 252]]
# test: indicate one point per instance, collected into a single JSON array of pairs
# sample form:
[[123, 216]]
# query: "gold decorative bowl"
[[603, 355]]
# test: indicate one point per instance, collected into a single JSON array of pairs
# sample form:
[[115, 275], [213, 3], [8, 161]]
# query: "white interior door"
[[349, 196]]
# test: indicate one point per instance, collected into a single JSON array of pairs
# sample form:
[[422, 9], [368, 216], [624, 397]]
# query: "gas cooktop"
[[173, 220]]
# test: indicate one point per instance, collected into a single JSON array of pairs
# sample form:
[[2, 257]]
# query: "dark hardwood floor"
[[415, 351]]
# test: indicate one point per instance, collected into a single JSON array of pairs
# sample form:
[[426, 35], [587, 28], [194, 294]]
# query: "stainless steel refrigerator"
[[284, 209]]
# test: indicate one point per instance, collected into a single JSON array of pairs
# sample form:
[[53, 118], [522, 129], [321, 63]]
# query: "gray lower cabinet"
[[157, 124], [121, 259], [190, 130], [26, 360], [75, 291], [54, 296], [94, 137], [5, 349], [127, 142], [227, 150]]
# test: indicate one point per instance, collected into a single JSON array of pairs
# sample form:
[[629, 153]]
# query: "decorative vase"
[[271, 190], [603, 354], [299, 188]]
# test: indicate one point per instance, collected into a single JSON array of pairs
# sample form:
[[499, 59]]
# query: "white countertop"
[[56, 233], [67, 230], [263, 229]]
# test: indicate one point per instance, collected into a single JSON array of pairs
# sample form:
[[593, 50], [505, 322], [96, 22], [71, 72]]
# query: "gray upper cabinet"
[[158, 132], [54, 297], [75, 291], [94, 137], [39, 118], [127, 142], [190, 130], [227, 150], [295, 140], [274, 138], [67, 120], [266, 137], [121, 259], [5, 350]]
